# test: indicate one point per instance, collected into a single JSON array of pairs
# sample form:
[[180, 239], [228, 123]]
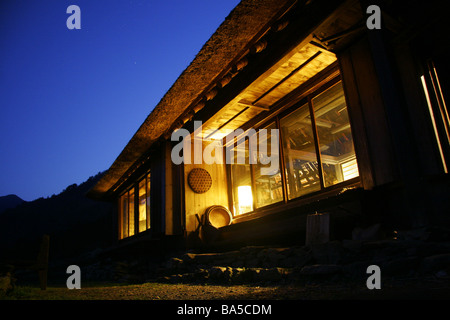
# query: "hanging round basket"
[[199, 180]]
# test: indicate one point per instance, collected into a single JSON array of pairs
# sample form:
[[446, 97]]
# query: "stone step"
[[250, 257], [348, 258], [335, 258], [233, 275]]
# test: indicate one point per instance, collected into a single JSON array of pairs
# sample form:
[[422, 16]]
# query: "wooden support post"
[[42, 262], [317, 228]]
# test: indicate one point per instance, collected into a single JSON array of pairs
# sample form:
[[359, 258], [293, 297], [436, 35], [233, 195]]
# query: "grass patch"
[[33, 293], [98, 291]]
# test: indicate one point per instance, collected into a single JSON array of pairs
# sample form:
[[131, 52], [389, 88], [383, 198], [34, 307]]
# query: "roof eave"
[[242, 28]]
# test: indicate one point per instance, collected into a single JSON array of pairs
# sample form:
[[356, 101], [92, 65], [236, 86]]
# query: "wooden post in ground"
[[317, 228], [42, 262]]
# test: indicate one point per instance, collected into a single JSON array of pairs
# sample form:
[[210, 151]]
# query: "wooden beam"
[[326, 75], [253, 106], [288, 76], [303, 21], [341, 128]]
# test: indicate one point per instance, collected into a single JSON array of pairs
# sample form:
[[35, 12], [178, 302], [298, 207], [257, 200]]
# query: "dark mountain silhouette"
[[9, 202], [75, 224]]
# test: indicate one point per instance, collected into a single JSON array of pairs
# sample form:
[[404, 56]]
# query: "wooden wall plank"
[[197, 203], [157, 194], [372, 112], [354, 107]]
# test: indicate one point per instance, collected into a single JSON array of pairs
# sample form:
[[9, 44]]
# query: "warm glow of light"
[[245, 199], [350, 169], [430, 109], [442, 100]]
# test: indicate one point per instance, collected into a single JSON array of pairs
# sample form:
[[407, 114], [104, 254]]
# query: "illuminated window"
[[242, 181], [142, 205], [350, 169], [131, 210], [268, 187], [334, 135], [300, 156], [244, 199], [316, 152], [148, 200], [252, 189], [135, 209], [124, 215]]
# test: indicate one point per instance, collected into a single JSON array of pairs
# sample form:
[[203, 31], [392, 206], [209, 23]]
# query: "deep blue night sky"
[[70, 100]]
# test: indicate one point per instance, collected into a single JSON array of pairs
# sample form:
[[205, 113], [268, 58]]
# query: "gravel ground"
[[405, 289], [187, 300]]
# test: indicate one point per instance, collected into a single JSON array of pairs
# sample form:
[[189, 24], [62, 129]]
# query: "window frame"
[[275, 116], [135, 189], [437, 112]]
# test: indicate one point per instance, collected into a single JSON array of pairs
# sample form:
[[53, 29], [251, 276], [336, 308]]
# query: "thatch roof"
[[242, 28]]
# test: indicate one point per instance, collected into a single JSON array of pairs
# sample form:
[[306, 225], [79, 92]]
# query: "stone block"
[[320, 269]]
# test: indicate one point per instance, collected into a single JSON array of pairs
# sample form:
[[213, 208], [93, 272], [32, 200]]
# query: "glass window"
[[142, 205], [148, 201], [266, 168], [131, 213], [241, 179], [334, 136], [128, 216], [124, 209], [300, 157], [317, 152]]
